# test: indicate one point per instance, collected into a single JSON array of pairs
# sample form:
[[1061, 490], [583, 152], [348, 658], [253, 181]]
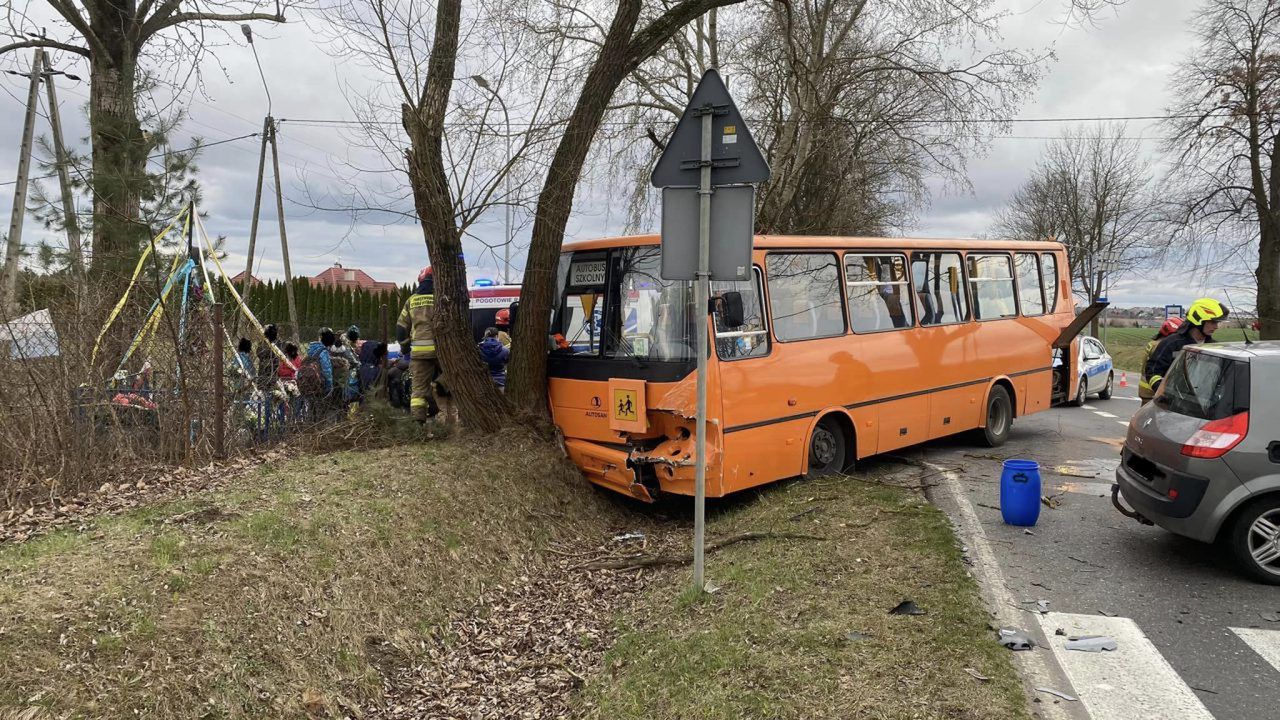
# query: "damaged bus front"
[[621, 372]]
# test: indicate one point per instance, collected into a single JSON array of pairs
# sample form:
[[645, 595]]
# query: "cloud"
[[1120, 67]]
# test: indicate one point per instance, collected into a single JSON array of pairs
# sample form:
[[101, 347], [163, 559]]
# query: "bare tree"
[[1092, 191], [626, 44], [1226, 142], [126, 44]]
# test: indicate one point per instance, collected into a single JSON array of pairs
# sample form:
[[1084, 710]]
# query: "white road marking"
[[1123, 422], [1133, 682], [1264, 642], [1036, 667], [1104, 414], [1088, 407], [1126, 397]]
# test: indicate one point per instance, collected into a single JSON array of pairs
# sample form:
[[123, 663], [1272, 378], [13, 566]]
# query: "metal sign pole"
[[700, 292]]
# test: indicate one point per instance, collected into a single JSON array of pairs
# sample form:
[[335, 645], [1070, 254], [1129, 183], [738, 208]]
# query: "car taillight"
[[1217, 437]]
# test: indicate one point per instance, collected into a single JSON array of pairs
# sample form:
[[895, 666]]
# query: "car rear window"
[[1206, 386]]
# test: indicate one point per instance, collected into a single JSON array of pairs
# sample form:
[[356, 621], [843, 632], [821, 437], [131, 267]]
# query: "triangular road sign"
[[735, 157]]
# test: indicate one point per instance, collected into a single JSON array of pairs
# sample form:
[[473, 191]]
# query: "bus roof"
[[765, 242]]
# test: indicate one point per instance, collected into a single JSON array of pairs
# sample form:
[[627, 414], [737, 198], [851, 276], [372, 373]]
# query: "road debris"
[[1043, 606], [1056, 693], [1092, 643], [977, 675], [1053, 502], [907, 607], [1028, 532], [624, 537], [1015, 639], [1269, 616]]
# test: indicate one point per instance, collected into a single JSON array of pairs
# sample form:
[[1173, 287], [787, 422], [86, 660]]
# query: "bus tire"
[[827, 446], [999, 417]]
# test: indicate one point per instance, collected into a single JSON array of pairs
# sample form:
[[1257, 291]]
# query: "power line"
[[159, 155], [827, 121]]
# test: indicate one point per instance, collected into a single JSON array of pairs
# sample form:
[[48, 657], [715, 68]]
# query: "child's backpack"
[[310, 378]]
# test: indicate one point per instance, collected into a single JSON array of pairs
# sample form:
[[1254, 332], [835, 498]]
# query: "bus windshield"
[[614, 304]]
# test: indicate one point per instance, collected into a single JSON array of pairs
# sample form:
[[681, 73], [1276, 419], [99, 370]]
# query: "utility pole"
[[70, 220], [257, 208], [284, 239], [13, 249]]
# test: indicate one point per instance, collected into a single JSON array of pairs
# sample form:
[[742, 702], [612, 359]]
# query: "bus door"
[[1065, 357]]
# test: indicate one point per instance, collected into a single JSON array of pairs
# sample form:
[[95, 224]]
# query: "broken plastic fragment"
[[977, 675], [1092, 643], [906, 607], [1015, 639], [1057, 693], [628, 536], [1043, 606]]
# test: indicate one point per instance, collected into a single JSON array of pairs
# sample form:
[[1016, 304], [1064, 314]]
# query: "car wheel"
[[1083, 393], [999, 417], [826, 449], [1106, 390], [1255, 540]]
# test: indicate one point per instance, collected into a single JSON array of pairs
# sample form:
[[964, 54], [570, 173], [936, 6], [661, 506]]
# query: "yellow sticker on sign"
[[625, 405]]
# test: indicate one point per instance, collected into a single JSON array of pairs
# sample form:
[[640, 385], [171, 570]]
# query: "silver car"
[[1203, 459]]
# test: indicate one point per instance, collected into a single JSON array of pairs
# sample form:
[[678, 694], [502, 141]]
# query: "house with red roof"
[[349, 279]]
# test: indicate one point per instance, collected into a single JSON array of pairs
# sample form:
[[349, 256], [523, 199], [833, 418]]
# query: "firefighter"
[[1202, 321], [503, 321], [1170, 326], [413, 330]]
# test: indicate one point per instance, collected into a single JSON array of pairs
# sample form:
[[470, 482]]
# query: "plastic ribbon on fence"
[[240, 306], [156, 312], [115, 312]]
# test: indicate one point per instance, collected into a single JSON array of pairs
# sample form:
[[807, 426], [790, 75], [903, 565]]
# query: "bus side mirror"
[[731, 310]]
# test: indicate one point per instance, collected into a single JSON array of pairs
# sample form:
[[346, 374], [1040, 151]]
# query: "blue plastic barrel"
[[1020, 492]]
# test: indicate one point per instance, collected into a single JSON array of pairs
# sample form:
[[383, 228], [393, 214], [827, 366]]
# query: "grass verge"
[[1127, 344], [284, 594], [775, 640]]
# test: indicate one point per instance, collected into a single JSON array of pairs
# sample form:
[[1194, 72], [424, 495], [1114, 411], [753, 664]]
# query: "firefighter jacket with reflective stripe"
[[1145, 391], [415, 318], [1162, 357]]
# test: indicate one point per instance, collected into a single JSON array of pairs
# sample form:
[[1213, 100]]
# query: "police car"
[[1096, 370]]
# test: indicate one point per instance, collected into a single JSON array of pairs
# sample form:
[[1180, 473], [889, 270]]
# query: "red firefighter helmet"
[[1170, 326], [502, 318], [426, 273]]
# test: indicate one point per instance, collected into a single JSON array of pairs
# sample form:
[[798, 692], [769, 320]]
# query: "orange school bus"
[[834, 350]]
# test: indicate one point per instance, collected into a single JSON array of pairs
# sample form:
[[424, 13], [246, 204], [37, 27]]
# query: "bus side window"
[[1029, 279], [752, 339], [1049, 271], [804, 295], [877, 287], [991, 281], [938, 285]]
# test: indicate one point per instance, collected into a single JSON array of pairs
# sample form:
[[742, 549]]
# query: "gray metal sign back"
[[735, 158], [732, 215]]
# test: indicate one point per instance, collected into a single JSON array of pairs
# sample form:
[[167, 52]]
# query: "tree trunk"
[[527, 373], [119, 161], [481, 407], [1269, 278]]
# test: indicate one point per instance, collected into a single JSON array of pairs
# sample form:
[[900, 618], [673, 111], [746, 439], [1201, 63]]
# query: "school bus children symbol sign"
[[624, 405]]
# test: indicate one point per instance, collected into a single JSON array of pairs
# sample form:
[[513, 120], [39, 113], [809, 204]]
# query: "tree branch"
[[45, 44], [151, 28], [647, 41]]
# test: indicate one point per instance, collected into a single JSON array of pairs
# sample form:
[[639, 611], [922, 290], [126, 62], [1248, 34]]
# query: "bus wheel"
[[826, 449], [999, 417]]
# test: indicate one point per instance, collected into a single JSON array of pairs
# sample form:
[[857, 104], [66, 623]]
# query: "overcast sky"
[[1119, 68]]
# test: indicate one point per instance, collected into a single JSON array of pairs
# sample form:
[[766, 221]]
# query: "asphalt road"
[[1210, 631]]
